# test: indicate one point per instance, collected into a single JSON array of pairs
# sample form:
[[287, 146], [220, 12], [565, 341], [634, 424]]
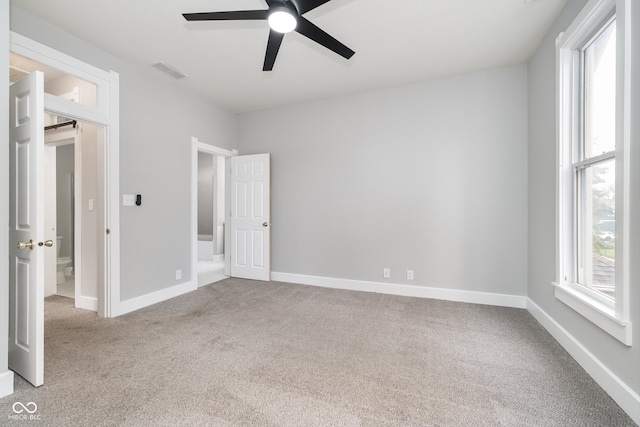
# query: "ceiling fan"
[[283, 17]]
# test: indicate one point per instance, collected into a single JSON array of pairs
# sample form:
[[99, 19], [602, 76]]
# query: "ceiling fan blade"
[[307, 29], [236, 15], [273, 46], [305, 6]]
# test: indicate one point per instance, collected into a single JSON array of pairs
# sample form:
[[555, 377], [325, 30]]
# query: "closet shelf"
[[59, 125]]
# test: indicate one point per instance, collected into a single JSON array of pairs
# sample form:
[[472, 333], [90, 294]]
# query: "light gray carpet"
[[273, 354]]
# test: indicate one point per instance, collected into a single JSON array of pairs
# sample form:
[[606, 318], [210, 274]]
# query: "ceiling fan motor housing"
[[283, 18]]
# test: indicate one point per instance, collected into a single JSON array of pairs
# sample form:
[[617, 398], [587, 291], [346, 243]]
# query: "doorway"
[[60, 228], [73, 205], [96, 107], [209, 198], [74, 194]]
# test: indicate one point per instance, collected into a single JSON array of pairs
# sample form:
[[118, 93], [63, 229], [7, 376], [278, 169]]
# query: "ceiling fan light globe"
[[282, 21]]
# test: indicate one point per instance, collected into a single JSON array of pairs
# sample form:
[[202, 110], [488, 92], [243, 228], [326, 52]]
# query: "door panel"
[[26, 225], [250, 217]]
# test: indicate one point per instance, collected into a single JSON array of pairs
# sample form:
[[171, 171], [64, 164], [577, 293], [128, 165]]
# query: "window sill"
[[599, 314]]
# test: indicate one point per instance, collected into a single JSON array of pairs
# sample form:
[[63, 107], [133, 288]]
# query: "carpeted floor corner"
[[242, 352]]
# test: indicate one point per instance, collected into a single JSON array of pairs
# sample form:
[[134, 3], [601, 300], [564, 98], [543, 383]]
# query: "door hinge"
[[108, 231]]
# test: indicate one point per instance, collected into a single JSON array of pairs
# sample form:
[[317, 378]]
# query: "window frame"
[[610, 315]]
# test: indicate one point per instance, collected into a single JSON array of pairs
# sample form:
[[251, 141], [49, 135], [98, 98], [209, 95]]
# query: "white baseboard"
[[472, 297], [155, 297], [87, 303], [6, 383], [621, 393]]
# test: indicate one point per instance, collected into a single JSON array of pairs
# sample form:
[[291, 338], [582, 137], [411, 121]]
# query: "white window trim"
[[612, 317]]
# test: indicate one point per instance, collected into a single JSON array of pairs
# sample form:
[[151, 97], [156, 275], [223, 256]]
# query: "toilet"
[[63, 263]]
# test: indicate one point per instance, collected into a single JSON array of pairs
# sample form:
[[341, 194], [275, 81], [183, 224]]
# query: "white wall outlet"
[[409, 274], [386, 273], [128, 200], [178, 274]]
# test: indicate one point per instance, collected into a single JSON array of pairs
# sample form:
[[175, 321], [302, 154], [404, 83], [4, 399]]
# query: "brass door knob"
[[23, 245], [47, 243]]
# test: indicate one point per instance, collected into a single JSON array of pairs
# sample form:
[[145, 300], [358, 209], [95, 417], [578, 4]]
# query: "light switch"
[[90, 204], [128, 200]]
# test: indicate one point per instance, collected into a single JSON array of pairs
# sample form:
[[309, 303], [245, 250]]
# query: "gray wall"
[[4, 187], [157, 120], [622, 360], [430, 177]]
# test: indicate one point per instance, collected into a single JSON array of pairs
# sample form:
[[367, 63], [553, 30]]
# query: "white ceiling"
[[396, 42]]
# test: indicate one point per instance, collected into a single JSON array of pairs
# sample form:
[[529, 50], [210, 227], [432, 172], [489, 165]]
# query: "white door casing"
[[26, 225], [50, 220], [251, 217]]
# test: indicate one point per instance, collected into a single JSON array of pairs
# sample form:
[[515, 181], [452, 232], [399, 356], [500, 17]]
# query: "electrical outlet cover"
[[128, 200]]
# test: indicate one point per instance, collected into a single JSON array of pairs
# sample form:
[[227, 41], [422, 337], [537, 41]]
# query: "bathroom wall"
[[91, 193], [206, 170], [64, 198]]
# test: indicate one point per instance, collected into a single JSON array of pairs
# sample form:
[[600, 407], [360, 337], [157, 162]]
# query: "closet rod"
[[59, 125]]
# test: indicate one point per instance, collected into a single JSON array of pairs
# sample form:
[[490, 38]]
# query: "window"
[[594, 164], [592, 145]]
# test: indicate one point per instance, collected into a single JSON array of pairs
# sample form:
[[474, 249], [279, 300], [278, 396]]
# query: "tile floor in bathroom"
[[67, 289]]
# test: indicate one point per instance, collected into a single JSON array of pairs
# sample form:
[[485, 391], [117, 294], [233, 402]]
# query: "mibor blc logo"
[[22, 411]]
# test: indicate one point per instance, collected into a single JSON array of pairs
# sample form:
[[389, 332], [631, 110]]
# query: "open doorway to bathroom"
[[65, 221], [60, 217], [73, 208], [61, 135], [209, 201], [210, 217]]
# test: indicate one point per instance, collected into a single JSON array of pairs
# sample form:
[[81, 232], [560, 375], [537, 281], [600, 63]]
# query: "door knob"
[[47, 243], [23, 245], [265, 224]]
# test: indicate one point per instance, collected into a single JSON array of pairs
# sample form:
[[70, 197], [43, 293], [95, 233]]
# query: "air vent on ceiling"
[[172, 71]]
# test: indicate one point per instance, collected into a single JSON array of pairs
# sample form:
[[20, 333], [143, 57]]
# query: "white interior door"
[[26, 228], [250, 217]]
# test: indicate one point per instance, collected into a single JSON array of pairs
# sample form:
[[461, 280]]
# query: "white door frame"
[[50, 219], [198, 146], [106, 114]]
